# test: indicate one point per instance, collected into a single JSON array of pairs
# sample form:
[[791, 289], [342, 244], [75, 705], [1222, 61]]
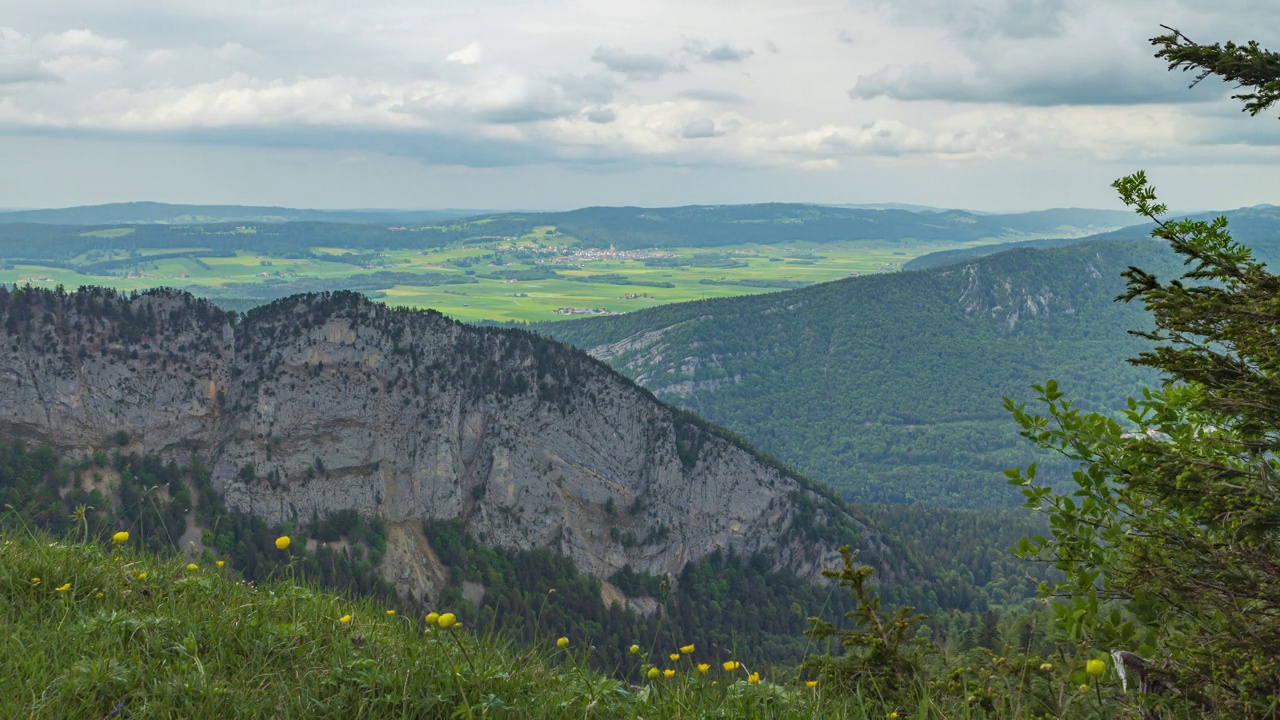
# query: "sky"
[[556, 104]]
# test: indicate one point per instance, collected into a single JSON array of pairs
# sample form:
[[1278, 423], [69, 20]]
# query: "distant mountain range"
[[142, 213]]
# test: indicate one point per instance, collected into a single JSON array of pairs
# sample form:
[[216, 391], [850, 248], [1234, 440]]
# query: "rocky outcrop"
[[321, 403]]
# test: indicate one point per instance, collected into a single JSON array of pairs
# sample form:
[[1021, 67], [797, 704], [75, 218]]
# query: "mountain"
[[1250, 225], [322, 404], [888, 387], [138, 213]]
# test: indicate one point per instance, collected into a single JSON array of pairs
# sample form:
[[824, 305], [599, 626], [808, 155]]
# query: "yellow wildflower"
[[427, 632], [703, 668], [1095, 667], [635, 649], [674, 656], [99, 595], [893, 715], [192, 567], [222, 563], [732, 665], [562, 643], [64, 588], [120, 538], [668, 673], [753, 678], [653, 673], [448, 620], [142, 576], [344, 619], [1046, 667], [282, 542], [687, 649], [35, 581], [814, 684], [433, 618], [391, 613]]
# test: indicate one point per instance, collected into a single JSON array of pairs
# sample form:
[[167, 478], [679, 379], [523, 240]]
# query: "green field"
[[524, 279]]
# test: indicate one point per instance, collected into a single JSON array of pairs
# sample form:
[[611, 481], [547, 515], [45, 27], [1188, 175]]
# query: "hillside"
[[888, 387], [1258, 225]]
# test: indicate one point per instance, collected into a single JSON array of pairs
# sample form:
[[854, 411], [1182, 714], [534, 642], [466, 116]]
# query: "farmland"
[[525, 279]]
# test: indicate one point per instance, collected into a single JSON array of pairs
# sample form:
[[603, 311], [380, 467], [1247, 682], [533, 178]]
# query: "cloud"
[[719, 54], [601, 116], [469, 55], [700, 129], [636, 66], [722, 97]]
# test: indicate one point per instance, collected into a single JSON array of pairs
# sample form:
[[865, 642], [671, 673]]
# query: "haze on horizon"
[[982, 104]]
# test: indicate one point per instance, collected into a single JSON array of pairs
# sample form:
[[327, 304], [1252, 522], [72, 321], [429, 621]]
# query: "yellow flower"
[[674, 656], [99, 595], [753, 678], [433, 618], [1046, 668], [35, 581], [635, 649], [221, 563], [64, 588], [687, 649], [448, 620], [391, 613], [1095, 667], [282, 542], [192, 567], [703, 668], [668, 673], [732, 665], [120, 538], [893, 715], [344, 619], [427, 632], [814, 683], [653, 673], [142, 576], [562, 643]]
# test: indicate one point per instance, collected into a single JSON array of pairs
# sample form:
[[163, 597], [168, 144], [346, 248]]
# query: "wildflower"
[[562, 643], [99, 595], [35, 581], [433, 618], [447, 620], [687, 649], [391, 613], [753, 678], [192, 567], [668, 673], [120, 538], [703, 668], [653, 673], [1095, 667], [282, 542], [674, 656], [893, 715], [814, 684], [222, 563], [64, 588], [142, 576], [1083, 688], [344, 619], [635, 649], [1046, 668], [427, 632], [731, 665]]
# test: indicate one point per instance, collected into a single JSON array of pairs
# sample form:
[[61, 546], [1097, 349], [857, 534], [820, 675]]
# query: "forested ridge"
[[887, 387]]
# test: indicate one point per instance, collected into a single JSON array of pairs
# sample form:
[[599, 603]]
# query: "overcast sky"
[[984, 104]]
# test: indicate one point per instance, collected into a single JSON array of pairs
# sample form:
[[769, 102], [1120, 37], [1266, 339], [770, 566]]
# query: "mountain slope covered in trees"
[[888, 387]]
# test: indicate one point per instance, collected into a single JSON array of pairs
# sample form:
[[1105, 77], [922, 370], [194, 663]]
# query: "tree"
[[1170, 539]]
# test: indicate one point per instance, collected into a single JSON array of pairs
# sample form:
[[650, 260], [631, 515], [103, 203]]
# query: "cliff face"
[[321, 403]]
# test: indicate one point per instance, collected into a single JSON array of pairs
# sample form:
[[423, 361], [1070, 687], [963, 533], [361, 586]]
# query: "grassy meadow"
[[584, 278]]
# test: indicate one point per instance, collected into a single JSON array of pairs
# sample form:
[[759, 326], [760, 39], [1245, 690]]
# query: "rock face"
[[321, 403]]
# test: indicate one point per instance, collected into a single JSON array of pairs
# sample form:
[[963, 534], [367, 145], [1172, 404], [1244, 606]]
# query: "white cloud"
[[469, 55]]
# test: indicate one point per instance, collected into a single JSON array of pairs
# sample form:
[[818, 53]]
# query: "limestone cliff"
[[328, 402]]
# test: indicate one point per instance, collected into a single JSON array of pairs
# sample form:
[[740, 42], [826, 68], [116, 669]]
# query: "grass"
[[94, 633], [500, 300]]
